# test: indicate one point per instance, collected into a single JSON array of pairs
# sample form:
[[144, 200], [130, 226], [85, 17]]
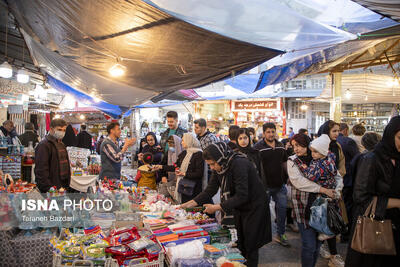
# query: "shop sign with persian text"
[[255, 105]]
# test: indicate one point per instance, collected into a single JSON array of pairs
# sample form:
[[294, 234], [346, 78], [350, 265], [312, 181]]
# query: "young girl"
[[145, 176]]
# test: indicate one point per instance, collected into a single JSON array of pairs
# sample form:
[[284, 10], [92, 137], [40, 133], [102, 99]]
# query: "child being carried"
[[322, 169]]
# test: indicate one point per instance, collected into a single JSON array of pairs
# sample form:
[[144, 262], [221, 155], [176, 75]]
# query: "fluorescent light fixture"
[[22, 76], [347, 94], [6, 70]]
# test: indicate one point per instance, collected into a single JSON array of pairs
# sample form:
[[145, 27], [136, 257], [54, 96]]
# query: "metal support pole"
[[336, 101]]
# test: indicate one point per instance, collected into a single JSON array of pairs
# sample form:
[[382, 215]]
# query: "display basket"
[[110, 262], [57, 262]]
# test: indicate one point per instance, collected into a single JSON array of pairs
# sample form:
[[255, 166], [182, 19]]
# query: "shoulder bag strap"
[[370, 211]]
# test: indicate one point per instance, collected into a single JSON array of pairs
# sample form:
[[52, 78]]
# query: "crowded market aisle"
[[273, 255]]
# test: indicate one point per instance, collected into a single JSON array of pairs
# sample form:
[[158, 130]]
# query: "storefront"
[[254, 113]]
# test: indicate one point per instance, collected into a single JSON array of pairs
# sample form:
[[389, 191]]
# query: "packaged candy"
[[153, 251], [141, 244], [200, 262], [119, 250]]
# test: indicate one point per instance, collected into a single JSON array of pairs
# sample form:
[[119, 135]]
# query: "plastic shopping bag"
[[319, 216]]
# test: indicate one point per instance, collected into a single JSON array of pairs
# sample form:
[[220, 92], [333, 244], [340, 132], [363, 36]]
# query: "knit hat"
[[321, 144]]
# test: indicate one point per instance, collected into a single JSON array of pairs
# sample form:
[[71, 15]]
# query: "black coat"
[[28, 136], [376, 176], [248, 202], [70, 137], [194, 172], [254, 156], [47, 167], [84, 140]]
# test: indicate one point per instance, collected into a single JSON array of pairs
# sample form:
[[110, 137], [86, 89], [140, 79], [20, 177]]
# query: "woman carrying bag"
[[242, 194], [378, 175], [189, 169]]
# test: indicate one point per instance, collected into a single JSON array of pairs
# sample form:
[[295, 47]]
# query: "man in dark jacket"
[[350, 150], [29, 135], [273, 158], [205, 137], [84, 138], [51, 159], [233, 133], [173, 129]]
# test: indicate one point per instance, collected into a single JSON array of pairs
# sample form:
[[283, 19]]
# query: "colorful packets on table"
[[220, 236], [95, 253], [198, 262], [141, 243], [195, 209], [70, 253], [123, 235]]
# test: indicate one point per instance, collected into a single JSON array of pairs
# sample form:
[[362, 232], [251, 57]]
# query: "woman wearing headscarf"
[[152, 147], [303, 193], [168, 179], [368, 141], [189, 165], [378, 176], [332, 128], [70, 137], [244, 146], [241, 193]]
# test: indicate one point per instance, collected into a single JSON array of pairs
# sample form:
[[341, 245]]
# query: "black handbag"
[[186, 187]]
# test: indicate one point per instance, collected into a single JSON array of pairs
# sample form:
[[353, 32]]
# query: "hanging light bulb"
[[117, 70], [82, 117], [6, 70], [366, 98], [57, 116], [208, 116], [347, 94], [231, 115], [304, 107], [22, 76]]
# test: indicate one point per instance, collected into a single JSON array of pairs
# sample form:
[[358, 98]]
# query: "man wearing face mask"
[[51, 159]]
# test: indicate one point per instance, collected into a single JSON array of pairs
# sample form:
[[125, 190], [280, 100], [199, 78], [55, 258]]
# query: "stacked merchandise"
[[11, 164], [190, 237], [123, 245], [94, 165], [78, 158], [7, 184]]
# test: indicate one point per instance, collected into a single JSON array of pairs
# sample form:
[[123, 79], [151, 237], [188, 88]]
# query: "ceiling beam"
[[341, 68], [384, 51], [357, 57]]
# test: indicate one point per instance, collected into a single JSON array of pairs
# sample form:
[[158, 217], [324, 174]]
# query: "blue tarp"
[[159, 104], [112, 110], [286, 72], [244, 82]]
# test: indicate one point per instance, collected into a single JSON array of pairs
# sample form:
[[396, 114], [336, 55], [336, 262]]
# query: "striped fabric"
[[20, 120]]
